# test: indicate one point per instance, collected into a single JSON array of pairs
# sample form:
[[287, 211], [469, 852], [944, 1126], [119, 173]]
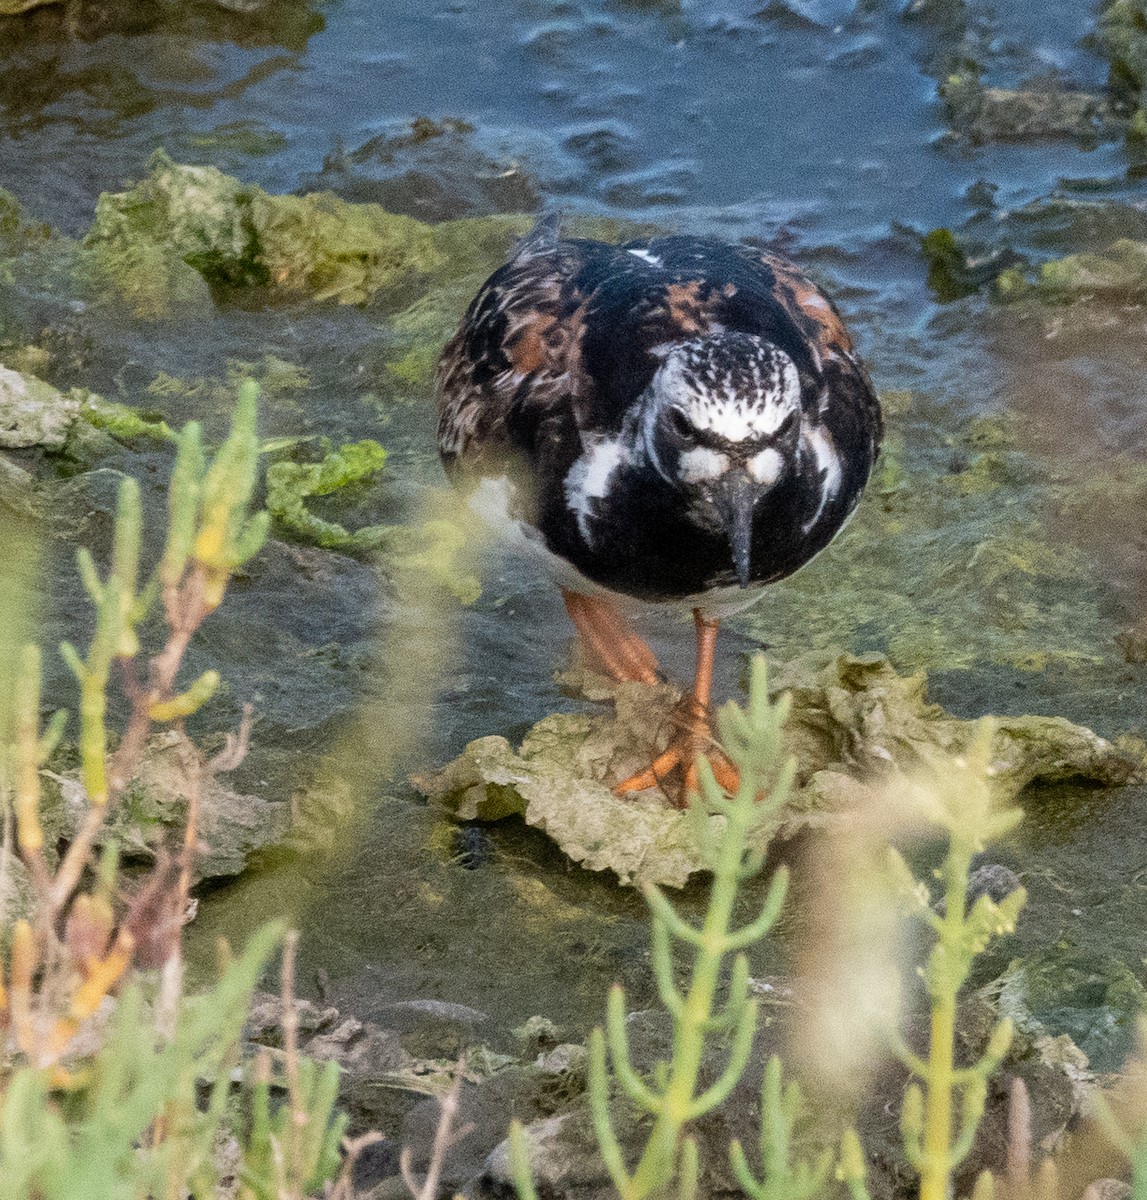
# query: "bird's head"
[[722, 422]]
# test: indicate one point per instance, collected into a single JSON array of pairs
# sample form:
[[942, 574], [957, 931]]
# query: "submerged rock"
[[1094, 1000], [1025, 115], [854, 722], [439, 170]]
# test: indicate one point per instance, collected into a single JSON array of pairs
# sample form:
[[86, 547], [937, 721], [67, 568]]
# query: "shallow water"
[[814, 125]]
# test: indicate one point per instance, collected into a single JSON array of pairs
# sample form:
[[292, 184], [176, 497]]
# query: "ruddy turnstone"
[[671, 420]]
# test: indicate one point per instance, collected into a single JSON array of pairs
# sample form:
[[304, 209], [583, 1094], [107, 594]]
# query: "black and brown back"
[[560, 343]]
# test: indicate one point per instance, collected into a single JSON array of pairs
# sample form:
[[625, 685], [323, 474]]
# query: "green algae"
[[249, 139], [1118, 273], [291, 484], [122, 421], [186, 233], [432, 548], [952, 272]]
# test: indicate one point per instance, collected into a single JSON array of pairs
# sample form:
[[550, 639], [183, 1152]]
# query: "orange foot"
[[694, 735]]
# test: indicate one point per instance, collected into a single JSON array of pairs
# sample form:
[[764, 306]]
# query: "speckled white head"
[[729, 401]]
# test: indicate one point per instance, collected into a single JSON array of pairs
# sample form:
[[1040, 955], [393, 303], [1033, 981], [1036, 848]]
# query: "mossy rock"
[[187, 233], [855, 723], [1117, 273]]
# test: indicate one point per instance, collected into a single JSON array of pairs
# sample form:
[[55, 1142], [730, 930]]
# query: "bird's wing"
[[515, 361], [840, 393]]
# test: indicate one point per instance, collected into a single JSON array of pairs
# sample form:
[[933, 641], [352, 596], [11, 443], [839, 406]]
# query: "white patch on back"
[[765, 466], [651, 259], [588, 479], [701, 463], [828, 461]]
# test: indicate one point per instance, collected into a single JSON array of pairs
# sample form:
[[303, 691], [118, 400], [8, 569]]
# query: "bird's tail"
[[540, 241]]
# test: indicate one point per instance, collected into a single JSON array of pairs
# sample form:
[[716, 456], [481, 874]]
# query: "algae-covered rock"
[[187, 231], [854, 717], [1025, 115], [558, 780], [1095, 1001], [1057, 249], [854, 722], [232, 825], [1117, 273], [33, 413]]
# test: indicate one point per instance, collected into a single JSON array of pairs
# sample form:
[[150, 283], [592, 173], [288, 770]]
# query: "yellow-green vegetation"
[[185, 232], [1120, 1117], [123, 421], [781, 1177], [956, 796], [289, 484], [105, 1056]]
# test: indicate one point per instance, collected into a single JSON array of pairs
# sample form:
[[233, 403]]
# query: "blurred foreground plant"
[[958, 798], [752, 739], [104, 1072]]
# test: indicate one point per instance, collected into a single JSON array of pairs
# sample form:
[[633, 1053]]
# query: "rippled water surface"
[[813, 125]]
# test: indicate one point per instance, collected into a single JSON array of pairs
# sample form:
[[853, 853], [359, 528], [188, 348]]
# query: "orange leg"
[[696, 735], [615, 648]]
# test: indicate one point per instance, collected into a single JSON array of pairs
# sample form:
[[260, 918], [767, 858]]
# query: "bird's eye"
[[680, 425]]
